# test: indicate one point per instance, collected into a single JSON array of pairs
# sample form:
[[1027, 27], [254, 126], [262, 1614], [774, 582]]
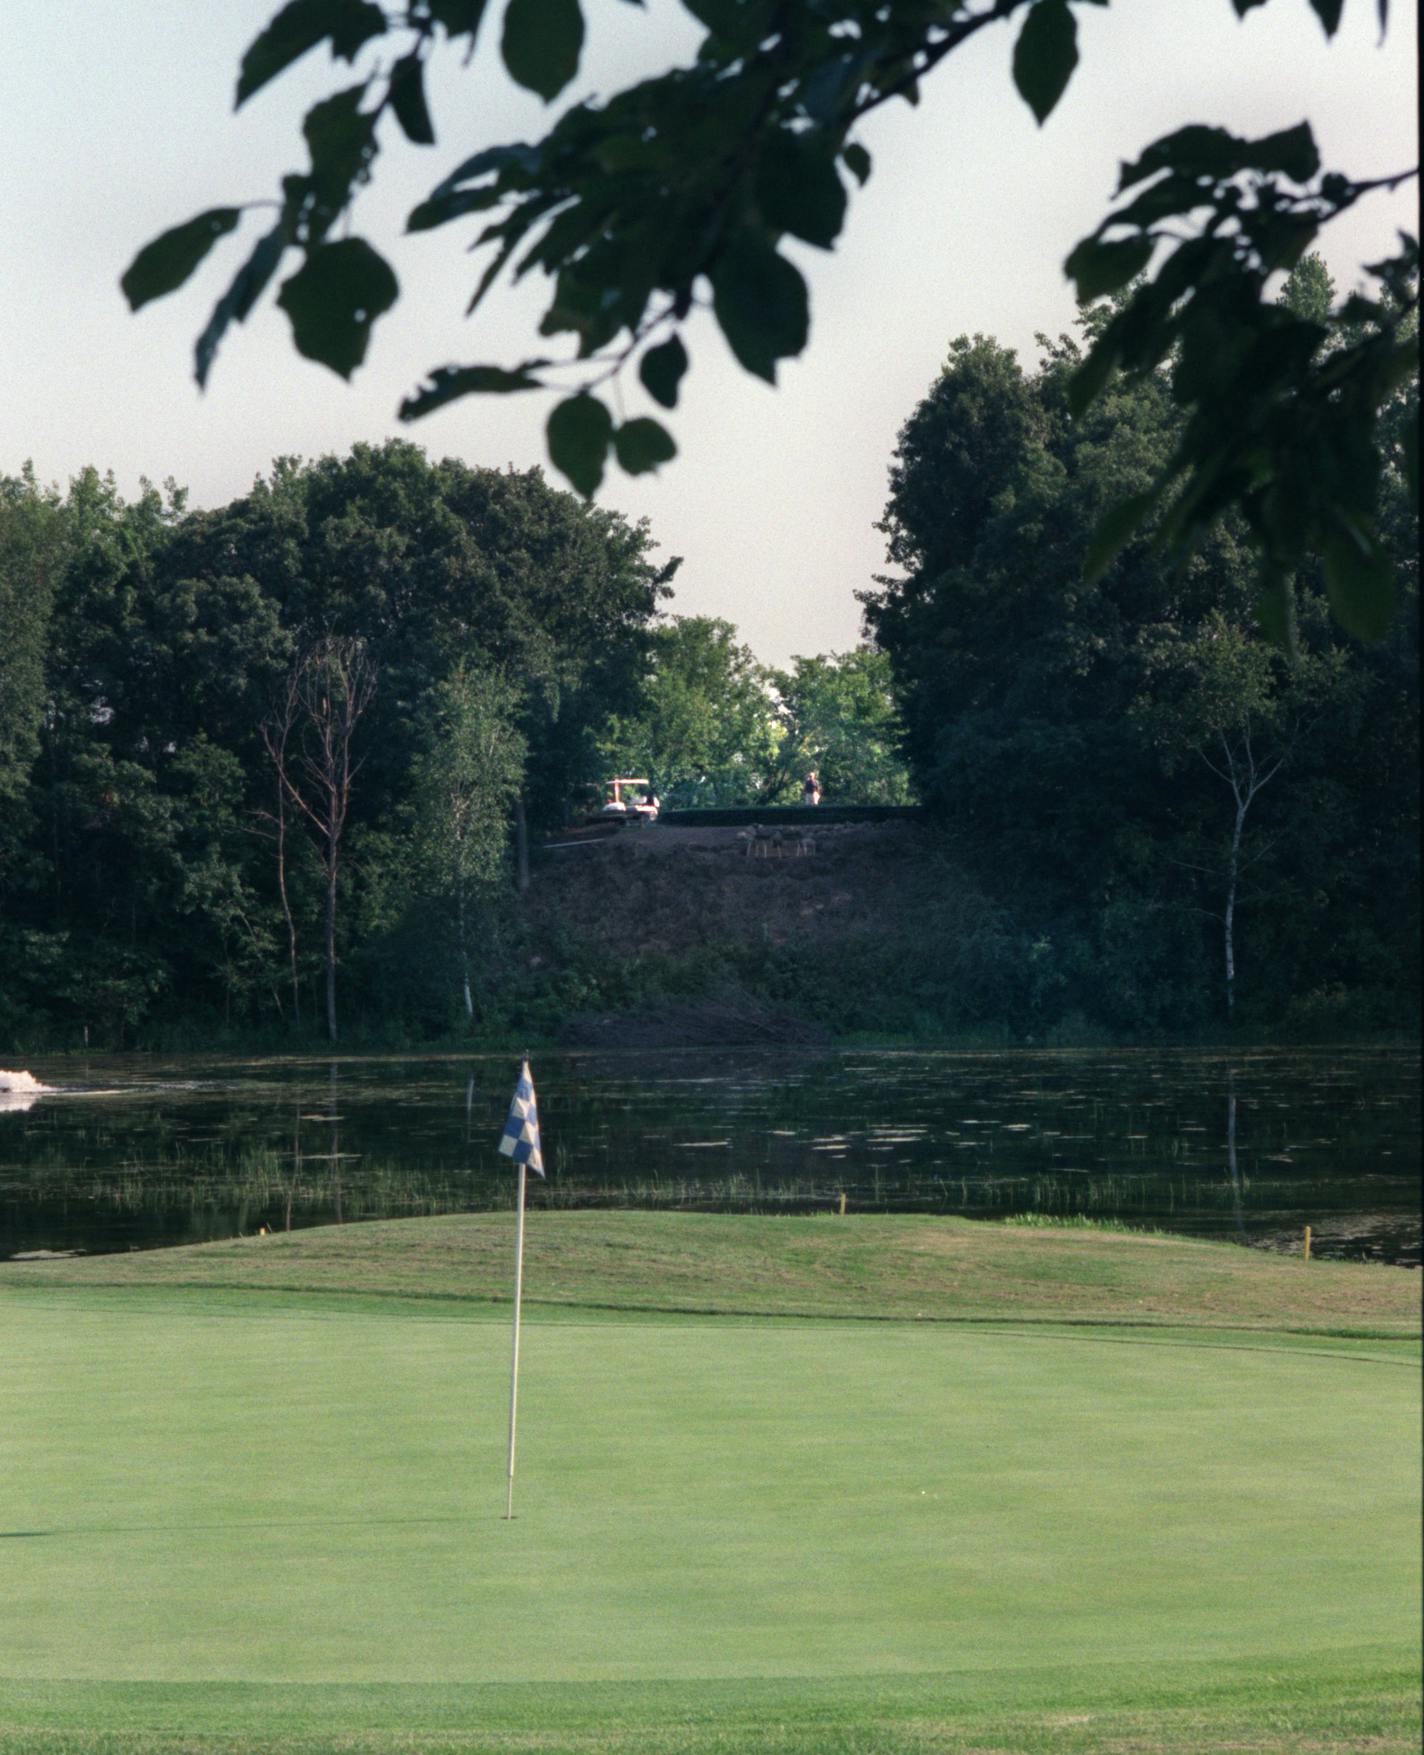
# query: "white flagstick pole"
[[514, 1366]]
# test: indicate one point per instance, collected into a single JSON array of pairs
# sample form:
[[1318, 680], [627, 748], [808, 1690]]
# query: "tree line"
[[245, 745], [1191, 824], [278, 765]]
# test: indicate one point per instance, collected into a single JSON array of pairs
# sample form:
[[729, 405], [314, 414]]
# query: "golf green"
[[202, 1491]]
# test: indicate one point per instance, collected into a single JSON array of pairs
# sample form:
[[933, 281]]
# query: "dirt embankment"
[[749, 910], [664, 888]]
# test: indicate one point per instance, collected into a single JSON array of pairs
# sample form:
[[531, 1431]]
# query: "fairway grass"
[[246, 1519]]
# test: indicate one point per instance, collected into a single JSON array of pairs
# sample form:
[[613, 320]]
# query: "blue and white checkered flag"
[[520, 1139]]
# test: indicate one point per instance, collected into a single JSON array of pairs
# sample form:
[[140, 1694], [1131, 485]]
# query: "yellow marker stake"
[[842, 1203], [1307, 1243]]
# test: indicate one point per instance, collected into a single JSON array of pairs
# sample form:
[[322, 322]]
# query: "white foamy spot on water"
[[22, 1084], [20, 1090]]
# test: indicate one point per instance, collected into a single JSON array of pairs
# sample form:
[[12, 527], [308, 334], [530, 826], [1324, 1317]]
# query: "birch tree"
[[1238, 710], [466, 787]]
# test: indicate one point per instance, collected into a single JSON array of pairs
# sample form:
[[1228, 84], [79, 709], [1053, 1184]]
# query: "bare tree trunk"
[[464, 951], [276, 733], [331, 872], [1245, 776], [1229, 916], [328, 690], [286, 901], [257, 951]]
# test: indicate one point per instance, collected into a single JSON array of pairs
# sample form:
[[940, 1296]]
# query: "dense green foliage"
[[705, 732], [1185, 822], [190, 803], [688, 183], [274, 769], [243, 749], [1282, 400], [839, 721], [466, 783], [715, 728]]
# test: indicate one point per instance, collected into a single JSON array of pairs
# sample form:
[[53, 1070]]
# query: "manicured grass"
[[1350, 1701], [237, 1520], [864, 1267]]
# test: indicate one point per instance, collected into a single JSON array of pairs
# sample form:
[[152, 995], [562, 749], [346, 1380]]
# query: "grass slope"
[[863, 1267], [246, 1520]]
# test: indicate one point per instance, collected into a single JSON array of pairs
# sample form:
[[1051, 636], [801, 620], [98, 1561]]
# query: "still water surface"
[[139, 1152]]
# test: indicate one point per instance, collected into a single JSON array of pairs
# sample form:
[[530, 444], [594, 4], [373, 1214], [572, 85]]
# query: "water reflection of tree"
[[205, 1163], [335, 1118], [296, 1169], [1231, 1166]]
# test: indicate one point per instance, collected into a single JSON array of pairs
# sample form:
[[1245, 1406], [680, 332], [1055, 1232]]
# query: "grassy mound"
[[940, 1269]]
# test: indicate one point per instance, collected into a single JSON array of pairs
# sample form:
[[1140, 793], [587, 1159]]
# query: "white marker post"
[[514, 1366]]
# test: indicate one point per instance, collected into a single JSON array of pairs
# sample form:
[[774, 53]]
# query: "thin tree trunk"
[[286, 902], [331, 949], [327, 692], [1229, 916], [464, 952], [1245, 778]]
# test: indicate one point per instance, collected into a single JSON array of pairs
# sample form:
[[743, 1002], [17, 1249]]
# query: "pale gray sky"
[[118, 123]]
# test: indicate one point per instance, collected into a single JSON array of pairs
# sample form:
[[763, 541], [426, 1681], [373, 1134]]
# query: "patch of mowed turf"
[[1341, 1700], [734, 1534], [869, 1267], [192, 1496]]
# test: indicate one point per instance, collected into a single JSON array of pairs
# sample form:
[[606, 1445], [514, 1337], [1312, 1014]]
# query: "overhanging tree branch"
[[690, 182]]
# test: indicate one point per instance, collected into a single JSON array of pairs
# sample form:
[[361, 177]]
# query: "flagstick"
[[514, 1367]]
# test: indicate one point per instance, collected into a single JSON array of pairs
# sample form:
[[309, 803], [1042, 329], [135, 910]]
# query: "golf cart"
[[628, 802]]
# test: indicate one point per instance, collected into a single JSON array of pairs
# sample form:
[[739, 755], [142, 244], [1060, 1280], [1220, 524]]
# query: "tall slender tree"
[[465, 786], [1219, 697], [311, 742]]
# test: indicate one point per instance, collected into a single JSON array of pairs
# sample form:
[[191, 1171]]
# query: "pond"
[[138, 1152]]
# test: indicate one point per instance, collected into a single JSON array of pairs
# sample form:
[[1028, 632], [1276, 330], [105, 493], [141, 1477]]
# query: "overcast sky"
[[117, 122]]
